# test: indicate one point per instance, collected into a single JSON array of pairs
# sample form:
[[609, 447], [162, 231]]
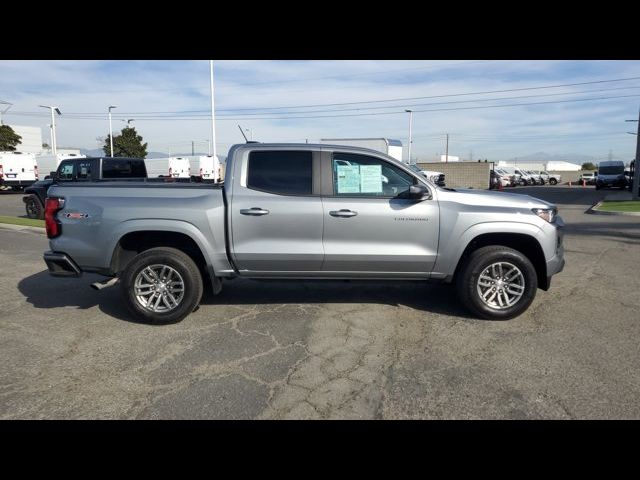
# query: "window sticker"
[[348, 178], [370, 178]]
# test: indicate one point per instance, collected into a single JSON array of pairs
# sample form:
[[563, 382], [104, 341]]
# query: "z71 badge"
[[76, 215]]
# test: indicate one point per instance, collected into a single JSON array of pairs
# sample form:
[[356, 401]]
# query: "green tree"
[[127, 144], [588, 166], [9, 139]]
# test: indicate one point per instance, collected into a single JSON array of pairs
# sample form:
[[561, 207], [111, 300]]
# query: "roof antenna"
[[242, 132], [245, 137]]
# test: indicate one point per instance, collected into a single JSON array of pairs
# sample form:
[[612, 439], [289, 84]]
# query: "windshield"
[[613, 170]]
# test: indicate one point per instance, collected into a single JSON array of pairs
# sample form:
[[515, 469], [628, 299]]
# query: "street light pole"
[[410, 112], [111, 129], [53, 126], [213, 109], [635, 193]]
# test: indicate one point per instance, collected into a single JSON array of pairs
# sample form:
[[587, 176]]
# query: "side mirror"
[[419, 192]]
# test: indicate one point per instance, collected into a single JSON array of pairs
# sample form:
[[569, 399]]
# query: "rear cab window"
[[123, 169], [281, 172]]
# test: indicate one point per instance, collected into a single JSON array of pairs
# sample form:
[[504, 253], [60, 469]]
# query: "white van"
[[175, 167], [49, 163], [207, 167], [17, 170]]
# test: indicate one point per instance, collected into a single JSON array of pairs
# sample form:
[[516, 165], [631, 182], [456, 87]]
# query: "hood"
[[492, 199]]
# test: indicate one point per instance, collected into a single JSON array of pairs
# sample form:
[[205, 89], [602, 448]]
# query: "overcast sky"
[[169, 102]]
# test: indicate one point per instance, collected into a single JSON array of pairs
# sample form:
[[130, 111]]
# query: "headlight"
[[548, 214]]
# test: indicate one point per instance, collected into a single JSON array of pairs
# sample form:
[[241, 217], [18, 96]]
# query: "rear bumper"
[[12, 182], [61, 265]]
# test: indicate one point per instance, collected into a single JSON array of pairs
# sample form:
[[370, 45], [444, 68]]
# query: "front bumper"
[[61, 265]]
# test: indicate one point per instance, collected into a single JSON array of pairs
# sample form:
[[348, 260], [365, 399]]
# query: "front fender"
[[454, 246]]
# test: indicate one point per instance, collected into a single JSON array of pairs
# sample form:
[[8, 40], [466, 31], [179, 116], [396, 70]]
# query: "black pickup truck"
[[82, 170]]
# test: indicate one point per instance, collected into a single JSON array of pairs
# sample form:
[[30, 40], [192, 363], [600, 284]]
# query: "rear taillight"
[[35, 170], [170, 170], [51, 206], [1, 171], [200, 172]]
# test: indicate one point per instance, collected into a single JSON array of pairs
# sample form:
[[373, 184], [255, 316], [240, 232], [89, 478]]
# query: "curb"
[[594, 210], [22, 228]]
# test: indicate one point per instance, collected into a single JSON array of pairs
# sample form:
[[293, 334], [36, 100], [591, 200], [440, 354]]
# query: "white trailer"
[[47, 164], [175, 167], [393, 148], [17, 170]]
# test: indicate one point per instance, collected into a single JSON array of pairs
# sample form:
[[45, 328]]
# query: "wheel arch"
[[525, 243]]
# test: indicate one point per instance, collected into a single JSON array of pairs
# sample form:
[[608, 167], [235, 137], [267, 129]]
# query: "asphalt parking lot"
[[11, 204], [331, 349]]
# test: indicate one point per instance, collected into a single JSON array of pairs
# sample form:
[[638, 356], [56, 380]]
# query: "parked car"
[[495, 181], [516, 178], [551, 178], [588, 177], [290, 211], [538, 175], [436, 177], [610, 174], [525, 177], [81, 169], [507, 179]]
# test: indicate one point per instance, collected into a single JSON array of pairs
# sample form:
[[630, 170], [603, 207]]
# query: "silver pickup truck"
[[306, 212]]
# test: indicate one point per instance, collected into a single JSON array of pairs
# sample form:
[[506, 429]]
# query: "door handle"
[[343, 213], [255, 211]]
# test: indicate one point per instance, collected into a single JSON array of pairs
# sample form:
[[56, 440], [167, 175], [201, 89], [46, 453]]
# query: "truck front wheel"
[[497, 283], [162, 285], [553, 181]]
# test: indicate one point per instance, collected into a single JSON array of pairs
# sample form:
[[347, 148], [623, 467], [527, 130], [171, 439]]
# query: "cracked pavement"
[[331, 349]]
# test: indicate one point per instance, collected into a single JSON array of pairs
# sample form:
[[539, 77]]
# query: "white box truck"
[[49, 163], [17, 170], [174, 167], [393, 148]]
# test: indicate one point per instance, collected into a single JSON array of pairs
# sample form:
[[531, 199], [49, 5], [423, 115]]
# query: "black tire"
[[477, 263], [183, 265], [34, 208], [553, 181]]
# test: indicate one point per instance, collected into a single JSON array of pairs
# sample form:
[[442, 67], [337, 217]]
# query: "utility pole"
[[446, 155], [410, 112], [610, 154], [111, 128], [635, 188], [192, 148]]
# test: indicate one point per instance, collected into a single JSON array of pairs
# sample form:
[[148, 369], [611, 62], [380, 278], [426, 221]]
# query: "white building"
[[554, 166], [31, 138], [444, 159]]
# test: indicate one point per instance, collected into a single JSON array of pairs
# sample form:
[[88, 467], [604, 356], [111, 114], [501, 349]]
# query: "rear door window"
[[281, 172]]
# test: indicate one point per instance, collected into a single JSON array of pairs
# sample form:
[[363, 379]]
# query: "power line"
[[90, 116]]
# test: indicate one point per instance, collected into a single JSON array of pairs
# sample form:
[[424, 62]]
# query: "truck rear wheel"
[[497, 283], [33, 207], [162, 285]]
